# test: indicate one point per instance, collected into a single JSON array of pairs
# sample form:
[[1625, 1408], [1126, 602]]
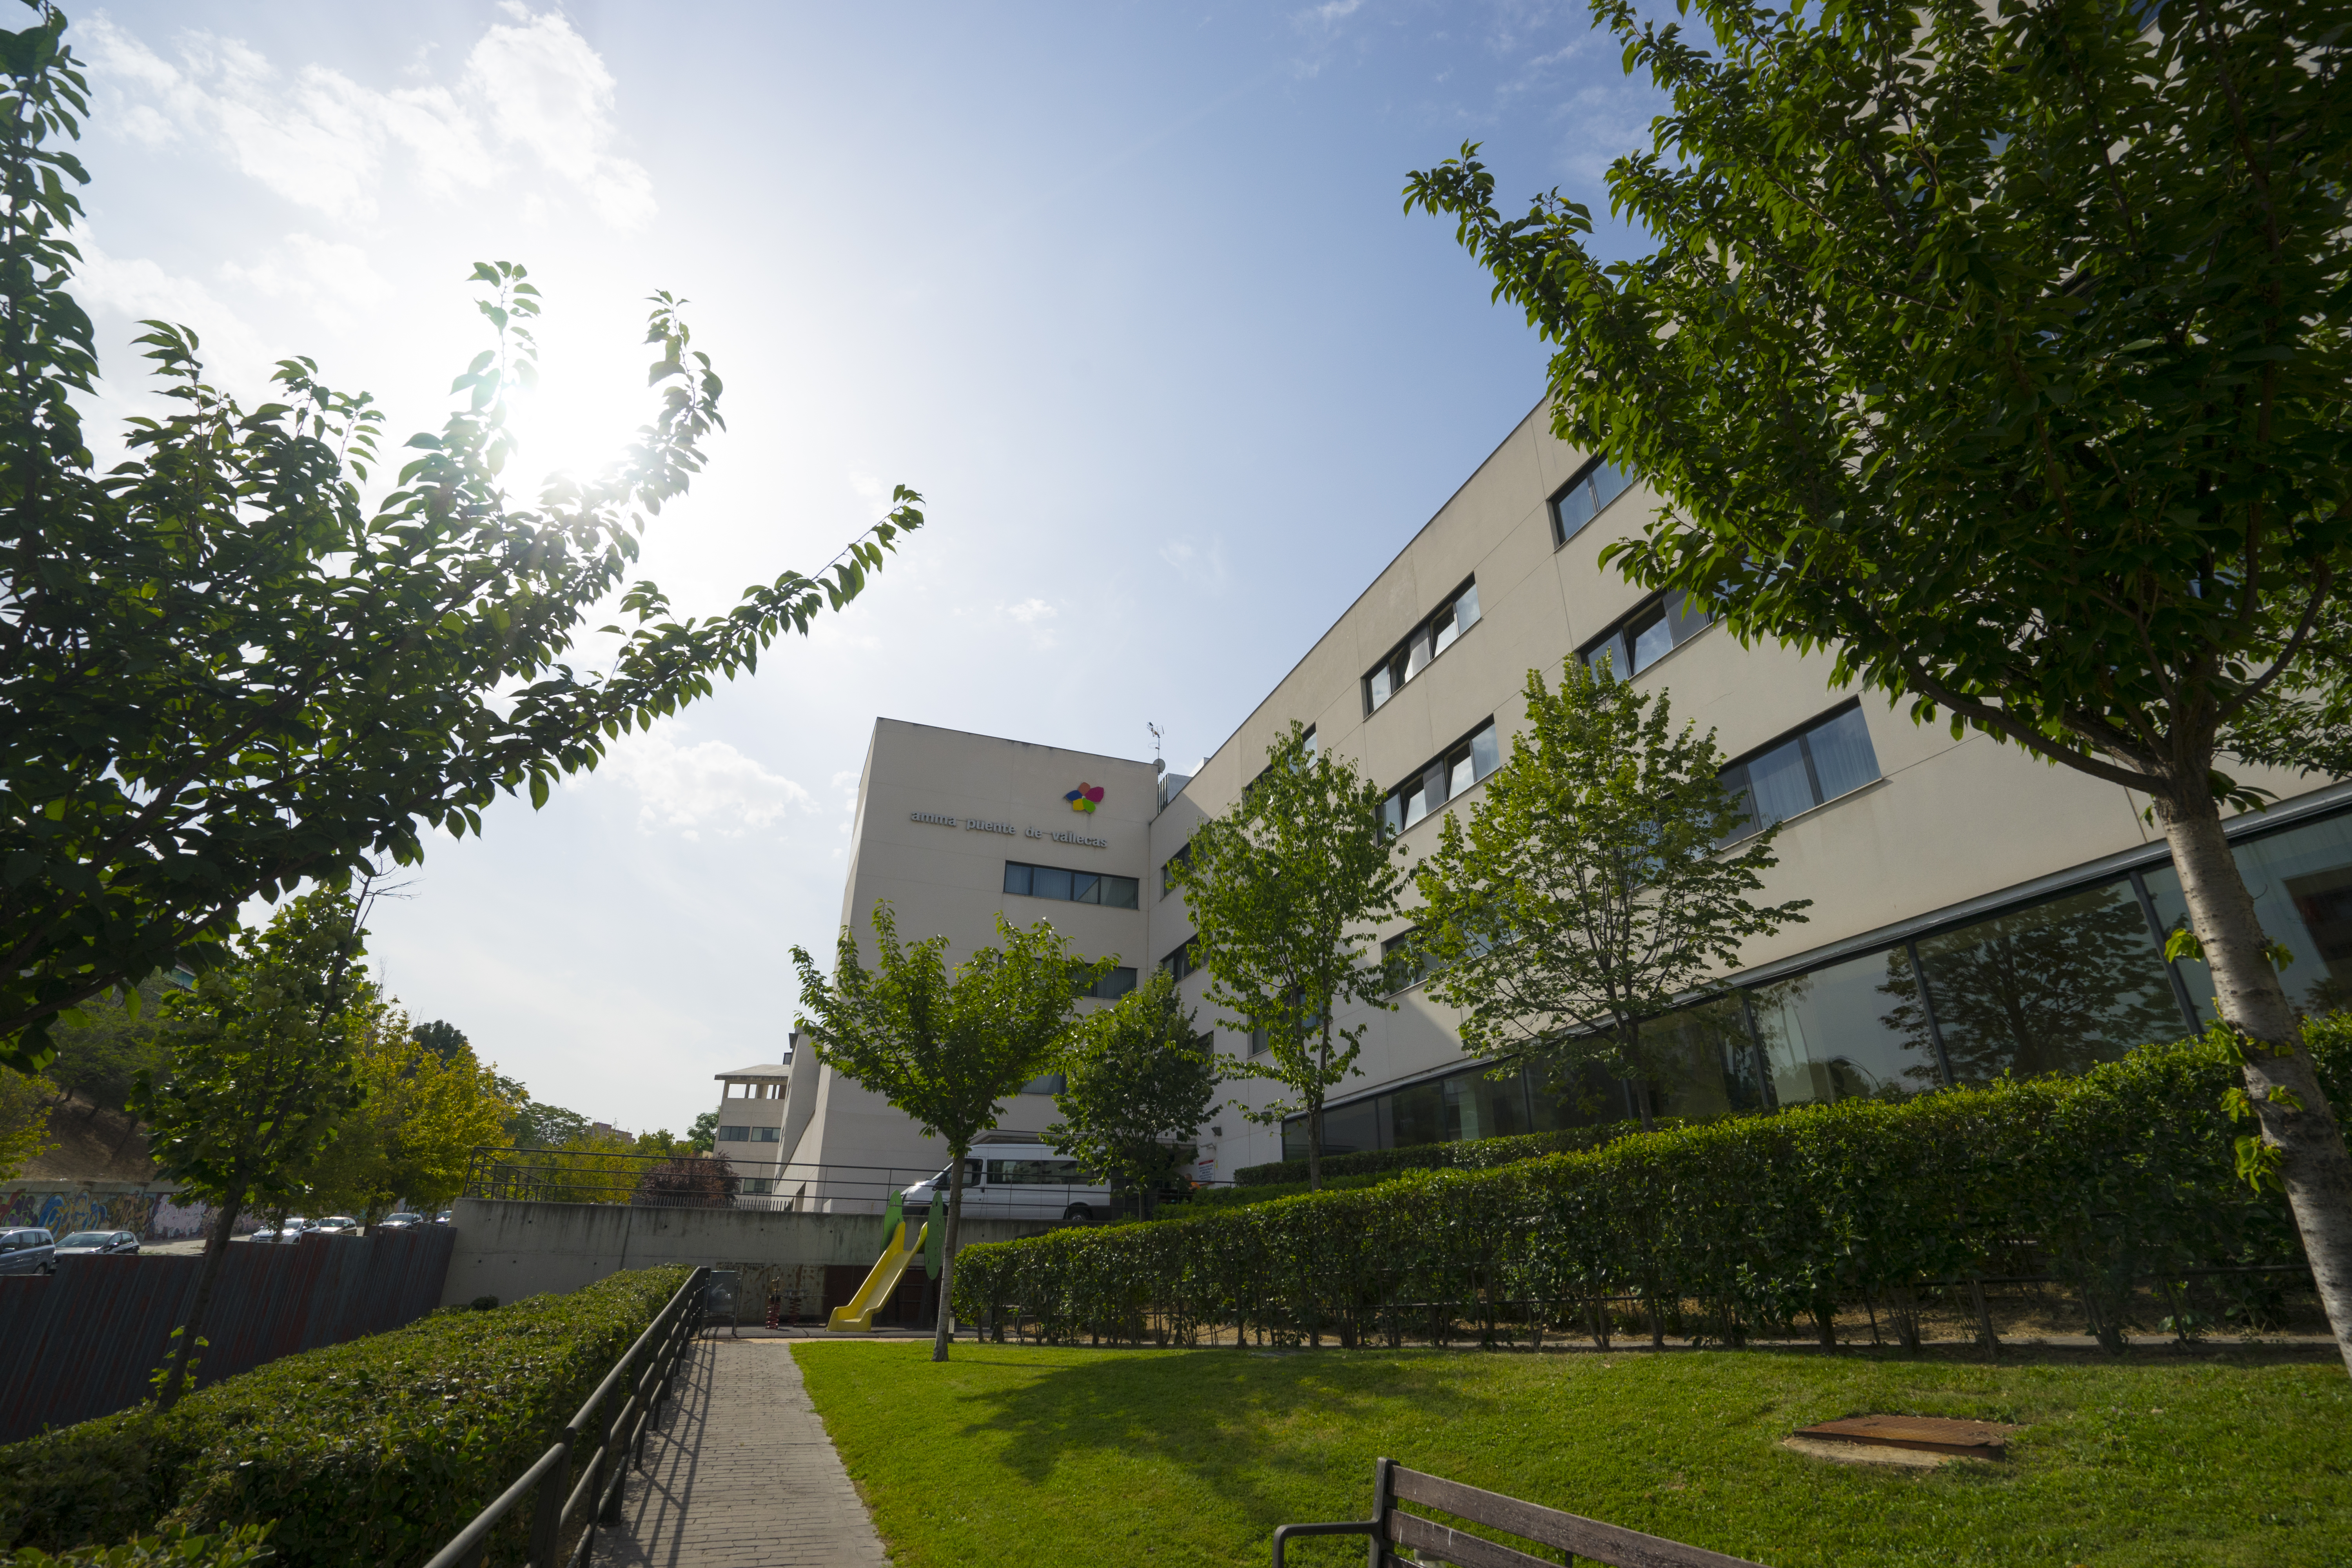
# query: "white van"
[[1018, 1181]]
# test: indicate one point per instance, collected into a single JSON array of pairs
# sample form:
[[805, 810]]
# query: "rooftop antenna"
[[1157, 765]]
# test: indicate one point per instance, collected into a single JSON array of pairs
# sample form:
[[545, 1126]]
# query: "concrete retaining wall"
[[512, 1250]]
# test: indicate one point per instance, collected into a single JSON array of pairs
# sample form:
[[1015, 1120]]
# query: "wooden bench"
[[1389, 1527]]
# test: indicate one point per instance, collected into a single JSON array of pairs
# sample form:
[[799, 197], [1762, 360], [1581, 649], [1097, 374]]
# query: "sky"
[[1125, 290]]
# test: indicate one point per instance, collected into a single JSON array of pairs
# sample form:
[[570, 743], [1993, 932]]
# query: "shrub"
[[176, 1547], [2122, 1173], [375, 1451], [1472, 1154]]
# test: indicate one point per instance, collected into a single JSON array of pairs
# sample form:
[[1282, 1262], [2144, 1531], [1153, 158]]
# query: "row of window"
[[1652, 629], [1114, 983], [2057, 985], [1582, 498], [751, 1134], [1076, 887], [1184, 961], [1421, 645], [1462, 765], [1827, 758]]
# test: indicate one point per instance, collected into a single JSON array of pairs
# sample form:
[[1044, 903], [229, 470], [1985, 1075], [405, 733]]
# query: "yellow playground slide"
[[858, 1318]]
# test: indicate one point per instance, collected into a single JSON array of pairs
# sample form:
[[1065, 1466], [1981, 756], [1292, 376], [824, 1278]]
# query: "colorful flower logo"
[[1086, 797]]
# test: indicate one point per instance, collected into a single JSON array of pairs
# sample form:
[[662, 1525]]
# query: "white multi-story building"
[[1974, 909]]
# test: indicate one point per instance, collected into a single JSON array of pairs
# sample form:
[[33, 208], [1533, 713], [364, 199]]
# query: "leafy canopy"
[[227, 675], [2000, 349], [417, 1118], [1285, 892], [946, 1048], [259, 1069], [1589, 891], [1137, 1082]]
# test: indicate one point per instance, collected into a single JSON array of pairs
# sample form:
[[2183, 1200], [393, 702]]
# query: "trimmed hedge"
[[1472, 1154], [2124, 1174], [376, 1451]]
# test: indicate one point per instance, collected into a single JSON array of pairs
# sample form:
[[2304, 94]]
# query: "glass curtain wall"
[[2301, 883], [2055, 986]]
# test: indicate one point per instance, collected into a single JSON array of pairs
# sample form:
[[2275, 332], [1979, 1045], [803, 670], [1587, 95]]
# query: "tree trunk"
[[1314, 1144], [2278, 1072], [945, 1317], [215, 1254]]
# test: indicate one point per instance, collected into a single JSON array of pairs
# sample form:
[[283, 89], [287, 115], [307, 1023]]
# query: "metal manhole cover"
[[1934, 1434]]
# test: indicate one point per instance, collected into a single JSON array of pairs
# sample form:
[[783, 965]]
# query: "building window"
[[1639, 640], [1307, 745], [758, 1186], [1463, 764], [1075, 887], [1048, 1083], [1404, 964], [1114, 983], [1595, 486], [1426, 641], [766, 1135], [1184, 961], [1826, 759], [734, 1135], [1182, 856]]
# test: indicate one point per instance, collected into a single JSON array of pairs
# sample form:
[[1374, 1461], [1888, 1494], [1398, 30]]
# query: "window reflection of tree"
[[2055, 988], [1702, 1060]]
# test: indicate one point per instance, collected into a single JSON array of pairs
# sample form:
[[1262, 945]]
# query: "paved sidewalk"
[[740, 1475]]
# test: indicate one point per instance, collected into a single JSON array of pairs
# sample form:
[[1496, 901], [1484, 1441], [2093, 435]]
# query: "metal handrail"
[[736, 1179], [676, 1324]]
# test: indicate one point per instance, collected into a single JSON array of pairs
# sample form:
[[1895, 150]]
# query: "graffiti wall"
[[154, 1215]]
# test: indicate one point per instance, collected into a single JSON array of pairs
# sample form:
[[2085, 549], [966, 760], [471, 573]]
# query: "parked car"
[[1018, 1181], [25, 1250], [445, 1217], [337, 1224], [99, 1243], [292, 1231], [401, 1221]]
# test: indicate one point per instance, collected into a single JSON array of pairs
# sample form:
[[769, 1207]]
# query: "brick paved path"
[[740, 1476]]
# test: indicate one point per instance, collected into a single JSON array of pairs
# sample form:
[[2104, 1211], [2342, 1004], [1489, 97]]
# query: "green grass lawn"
[[1092, 1458]]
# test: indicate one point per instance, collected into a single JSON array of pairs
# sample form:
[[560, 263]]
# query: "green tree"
[[946, 1048], [1139, 1080], [227, 674], [414, 1127], [1591, 889], [258, 1077], [25, 1105], [1285, 892], [533, 1124], [2007, 352], [440, 1036], [703, 1136], [118, 1036]]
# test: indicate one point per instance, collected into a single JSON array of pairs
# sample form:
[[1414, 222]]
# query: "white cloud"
[[1202, 568], [548, 92], [711, 785], [532, 97], [1029, 612], [336, 281]]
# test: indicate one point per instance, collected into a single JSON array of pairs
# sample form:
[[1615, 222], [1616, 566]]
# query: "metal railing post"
[[546, 1518]]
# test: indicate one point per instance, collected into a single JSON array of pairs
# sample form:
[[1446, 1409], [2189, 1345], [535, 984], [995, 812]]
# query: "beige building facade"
[[1974, 909]]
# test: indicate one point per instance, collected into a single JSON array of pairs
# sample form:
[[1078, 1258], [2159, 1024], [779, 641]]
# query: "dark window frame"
[[1398, 663], [1800, 733], [1183, 857], [1183, 959], [1587, 477], [1103, 882], [1441, 768], [1670, 607]]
